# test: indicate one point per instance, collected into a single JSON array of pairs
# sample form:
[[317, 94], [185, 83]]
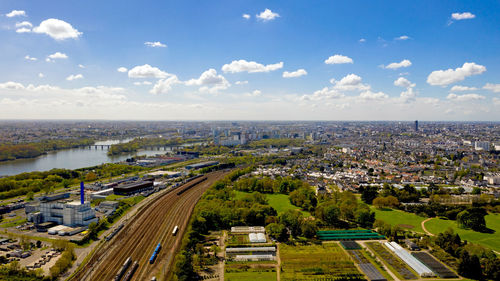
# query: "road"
[[425, 229], [152, 225]]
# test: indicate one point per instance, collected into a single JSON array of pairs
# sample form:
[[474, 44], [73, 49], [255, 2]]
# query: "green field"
[[279, 202], [490, 240], [313, 262], [250, 276], [405, 220]]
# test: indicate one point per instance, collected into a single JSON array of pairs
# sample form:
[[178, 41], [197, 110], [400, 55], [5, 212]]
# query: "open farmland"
[[490, 240], [249, 271], [317, 262], [394, 262]]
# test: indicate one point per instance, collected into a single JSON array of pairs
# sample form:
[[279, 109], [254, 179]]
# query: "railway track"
[[151, 225]]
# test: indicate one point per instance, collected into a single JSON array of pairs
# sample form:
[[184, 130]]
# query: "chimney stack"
[[82, 193]]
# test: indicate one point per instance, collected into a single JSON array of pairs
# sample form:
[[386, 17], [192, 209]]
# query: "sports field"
[[490, 240]]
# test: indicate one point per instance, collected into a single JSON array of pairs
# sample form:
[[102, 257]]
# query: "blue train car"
[[155, 253]]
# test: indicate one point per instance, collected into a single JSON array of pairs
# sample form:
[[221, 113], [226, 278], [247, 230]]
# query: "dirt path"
[[223, 259], [425, 229], [278, 267]]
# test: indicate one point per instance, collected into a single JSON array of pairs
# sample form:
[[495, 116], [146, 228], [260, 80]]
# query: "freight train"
[[155, 253], [122, 270], [192, 181], [131, 272], [114, 232]]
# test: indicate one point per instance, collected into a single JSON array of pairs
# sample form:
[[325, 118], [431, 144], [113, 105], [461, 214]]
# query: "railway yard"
[[153, 224]]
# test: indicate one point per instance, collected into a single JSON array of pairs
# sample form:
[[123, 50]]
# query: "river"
[[70, 159]]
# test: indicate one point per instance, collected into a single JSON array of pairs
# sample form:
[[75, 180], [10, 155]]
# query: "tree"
[[292, 219], [328, 212], [91, 176], [472, 218], [309, 228], [277, 231], [469, 266], [365, 218], [368, 194]]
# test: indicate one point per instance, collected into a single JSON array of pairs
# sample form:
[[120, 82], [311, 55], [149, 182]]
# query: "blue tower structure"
[[82, 199]]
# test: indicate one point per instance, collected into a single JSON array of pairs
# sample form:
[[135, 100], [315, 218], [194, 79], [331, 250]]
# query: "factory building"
[[132, 188], [201, 165]]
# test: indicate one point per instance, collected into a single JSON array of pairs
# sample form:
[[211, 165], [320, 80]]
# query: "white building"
[[69, 214], [482, 145]]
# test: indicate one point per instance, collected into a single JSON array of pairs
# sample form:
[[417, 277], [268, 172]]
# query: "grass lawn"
[[313, 262], [405, 220], [279, 202], [114, 197], [250, 276], [490, 240]]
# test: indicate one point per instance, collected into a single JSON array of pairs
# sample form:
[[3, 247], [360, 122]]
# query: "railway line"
[[152, 225]]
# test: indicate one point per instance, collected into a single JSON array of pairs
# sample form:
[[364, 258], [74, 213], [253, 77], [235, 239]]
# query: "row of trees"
[[268, 185], [30, 150], [138, 143]]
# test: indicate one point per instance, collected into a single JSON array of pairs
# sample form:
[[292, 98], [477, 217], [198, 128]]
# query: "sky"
[[250, 60]]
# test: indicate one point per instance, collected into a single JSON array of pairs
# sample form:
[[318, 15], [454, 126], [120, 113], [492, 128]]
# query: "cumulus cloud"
[[250, 66], [74, 77], [57, 29], [23, 30], [241, 82], [11, 86], [156, 44], [492, 87], [122, 69], [164, 86], [27, 57], [246, 16], [255, 93], [323, 94], [142, 83], [24, 24], [465, 97], [81, 66], [56, 55], [338, 59], [41, 75], [267, 15], [462, 16], [403, 82], [402, 37], [16, 13], [446, 77], [396, 65], [146, 71], [210, 81], [350, 82], [296, 73], [369, 95], [362, 40], [458, 88]]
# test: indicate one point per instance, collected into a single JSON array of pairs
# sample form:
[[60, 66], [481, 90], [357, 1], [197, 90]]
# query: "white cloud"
[[57, 29], [250, 66], [458, 88], [403, 82], [296, 73], [323, 94], [16, 13], [350, 82], [362, 40], [156, 44], [241, 82], [27, 57], [396, 65], [466, 97], [24, 24], [23, 30], [142, 83], [246, 16], [402, 37], [41, 75], [338, 59], [267, 15], [164, 86], [492, 87], [409, 95], [255, 93], [146, 71], [81, 66], [462, 16], [74, 77], [446, 77], [210, 81], [122, 69], [369, 95], [11, 86], [56, 55]]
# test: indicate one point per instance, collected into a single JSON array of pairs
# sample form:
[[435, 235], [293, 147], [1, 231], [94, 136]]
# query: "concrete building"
[[482, 145], [70, 214]]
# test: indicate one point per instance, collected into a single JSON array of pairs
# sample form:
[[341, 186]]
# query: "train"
[[112, 234], [122, 270], [155, 253], [174, 232], [192, 181], [131, 272]]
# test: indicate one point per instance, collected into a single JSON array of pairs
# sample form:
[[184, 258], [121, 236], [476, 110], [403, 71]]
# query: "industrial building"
[[132, 188], [201, 165]]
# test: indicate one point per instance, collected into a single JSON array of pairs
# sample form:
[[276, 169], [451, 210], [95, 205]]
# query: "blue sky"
[[387, 60]]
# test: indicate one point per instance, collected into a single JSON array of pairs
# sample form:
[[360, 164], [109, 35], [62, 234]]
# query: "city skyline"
[[250, 60]]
